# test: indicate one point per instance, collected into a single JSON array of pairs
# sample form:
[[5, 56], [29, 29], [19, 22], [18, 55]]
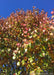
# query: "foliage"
[[27, 43]]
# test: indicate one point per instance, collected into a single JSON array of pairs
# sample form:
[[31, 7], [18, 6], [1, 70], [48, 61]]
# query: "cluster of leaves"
[[27, 42]]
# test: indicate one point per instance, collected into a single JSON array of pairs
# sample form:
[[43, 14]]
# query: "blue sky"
[[8, 6]]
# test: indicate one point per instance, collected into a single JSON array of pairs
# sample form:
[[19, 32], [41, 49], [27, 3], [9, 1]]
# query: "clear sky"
[[8, 6]]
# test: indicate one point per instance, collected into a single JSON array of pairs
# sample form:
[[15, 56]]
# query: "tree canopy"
[[27, 42]]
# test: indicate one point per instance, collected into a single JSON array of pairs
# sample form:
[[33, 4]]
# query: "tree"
[[26, 43]]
